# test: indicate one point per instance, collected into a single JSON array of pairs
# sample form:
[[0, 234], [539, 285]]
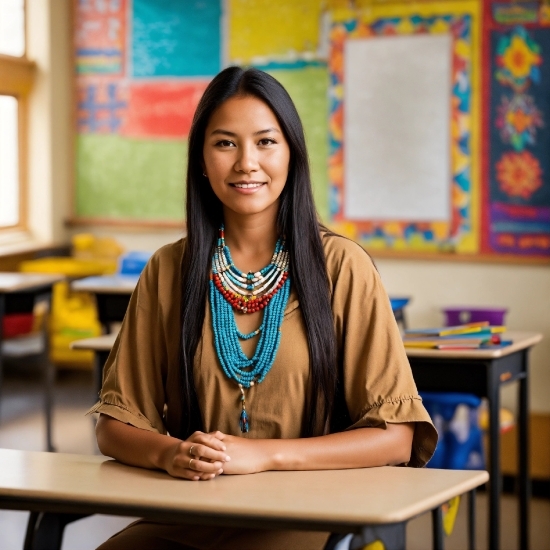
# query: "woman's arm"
[[359, 448], [137, 447]]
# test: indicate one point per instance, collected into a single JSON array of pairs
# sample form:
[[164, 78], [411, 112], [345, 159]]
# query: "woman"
[[261, 341]]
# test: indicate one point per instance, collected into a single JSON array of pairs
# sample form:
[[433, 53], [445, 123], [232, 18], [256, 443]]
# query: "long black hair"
[[297, 220]]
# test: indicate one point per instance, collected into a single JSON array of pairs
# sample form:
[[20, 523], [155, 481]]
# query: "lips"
[[247, 184]]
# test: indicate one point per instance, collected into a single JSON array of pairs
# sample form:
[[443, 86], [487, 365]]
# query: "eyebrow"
[[233, 134]]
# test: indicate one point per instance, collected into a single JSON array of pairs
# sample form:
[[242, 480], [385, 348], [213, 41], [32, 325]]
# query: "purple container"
[[461, 315]]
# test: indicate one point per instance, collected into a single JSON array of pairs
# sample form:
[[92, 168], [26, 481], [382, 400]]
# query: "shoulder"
[[345, 257], [164, 266]]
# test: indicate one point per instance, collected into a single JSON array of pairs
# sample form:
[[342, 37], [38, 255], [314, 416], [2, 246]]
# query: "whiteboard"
[[396, 128]]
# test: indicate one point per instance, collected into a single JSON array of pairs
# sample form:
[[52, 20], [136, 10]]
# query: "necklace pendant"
[[244, 422]]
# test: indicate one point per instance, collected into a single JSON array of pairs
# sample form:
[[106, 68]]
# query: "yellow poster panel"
[[276, 30]]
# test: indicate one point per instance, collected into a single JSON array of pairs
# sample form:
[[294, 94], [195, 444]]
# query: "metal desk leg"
[[48, 371], [2, 313], [495, 482], [523, 455], [472, 519], [45, 530], [437, 529]]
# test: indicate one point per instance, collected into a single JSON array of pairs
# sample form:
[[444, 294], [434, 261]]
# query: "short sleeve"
[[377, 378], [134, 374]]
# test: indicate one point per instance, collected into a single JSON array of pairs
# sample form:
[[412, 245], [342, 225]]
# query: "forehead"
[[243, 114]]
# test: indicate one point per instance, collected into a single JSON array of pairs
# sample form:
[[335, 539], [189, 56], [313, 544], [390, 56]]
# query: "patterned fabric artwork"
[[517, 197], [461, 233]]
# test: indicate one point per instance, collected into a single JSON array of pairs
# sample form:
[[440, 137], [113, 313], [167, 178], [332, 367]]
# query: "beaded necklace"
[[249, 292]]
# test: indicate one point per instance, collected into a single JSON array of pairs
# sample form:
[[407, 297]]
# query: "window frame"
[[16, 79]]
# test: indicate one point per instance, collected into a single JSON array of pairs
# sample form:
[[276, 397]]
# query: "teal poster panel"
[[176, 38]]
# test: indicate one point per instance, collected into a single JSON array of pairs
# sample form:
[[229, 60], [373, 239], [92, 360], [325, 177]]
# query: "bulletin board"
[[516, 199], [465, 175]]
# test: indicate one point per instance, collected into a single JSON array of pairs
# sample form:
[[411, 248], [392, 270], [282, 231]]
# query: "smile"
[[251, 185]]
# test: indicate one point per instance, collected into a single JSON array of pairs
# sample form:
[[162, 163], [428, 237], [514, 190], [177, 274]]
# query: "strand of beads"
[[248, 292], [235, 364]]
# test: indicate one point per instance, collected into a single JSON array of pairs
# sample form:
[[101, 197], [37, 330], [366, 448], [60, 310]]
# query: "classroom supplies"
[[468, 336]]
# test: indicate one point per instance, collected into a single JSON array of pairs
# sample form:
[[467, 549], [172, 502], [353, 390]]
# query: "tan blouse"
[[141, 376]]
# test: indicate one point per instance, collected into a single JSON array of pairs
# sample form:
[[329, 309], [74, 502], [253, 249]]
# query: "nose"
[[247, 160]]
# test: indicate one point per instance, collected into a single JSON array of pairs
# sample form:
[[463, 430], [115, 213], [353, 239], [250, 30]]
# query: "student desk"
[[112, 293], [483, 372], [18, 294], [363, 501]]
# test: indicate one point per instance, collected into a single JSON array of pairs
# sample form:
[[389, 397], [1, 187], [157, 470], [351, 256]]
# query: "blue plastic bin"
[[460, 438]]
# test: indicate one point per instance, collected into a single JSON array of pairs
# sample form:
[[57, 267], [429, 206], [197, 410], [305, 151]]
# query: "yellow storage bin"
[[74, 316]]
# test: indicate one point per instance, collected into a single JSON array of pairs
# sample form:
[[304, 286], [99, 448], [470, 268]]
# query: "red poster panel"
[[162, 110]]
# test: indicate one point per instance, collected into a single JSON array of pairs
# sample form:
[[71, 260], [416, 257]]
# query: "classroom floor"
[[22, 427]]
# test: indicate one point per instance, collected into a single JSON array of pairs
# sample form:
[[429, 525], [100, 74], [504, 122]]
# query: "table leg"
[[45, 530], [48, 370], [495, 482], [2, 312], [472, 519], [437, 529], [523, 455]]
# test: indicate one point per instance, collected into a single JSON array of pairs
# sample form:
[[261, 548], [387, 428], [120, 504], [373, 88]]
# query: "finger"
[[211, 440], [199, 466], [217, 434], [205, 477], [205, 452]]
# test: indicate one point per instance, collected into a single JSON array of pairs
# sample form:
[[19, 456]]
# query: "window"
[[16, 75]]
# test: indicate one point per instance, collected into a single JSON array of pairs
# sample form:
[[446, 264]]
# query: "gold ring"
[[191, 460], [191, 450]]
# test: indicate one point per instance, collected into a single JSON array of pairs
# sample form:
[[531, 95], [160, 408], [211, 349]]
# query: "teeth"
[[247, 185]]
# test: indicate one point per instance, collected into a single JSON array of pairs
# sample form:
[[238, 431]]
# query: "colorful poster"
[[142, 67], [100, 36], [517, 188], [461, 21]]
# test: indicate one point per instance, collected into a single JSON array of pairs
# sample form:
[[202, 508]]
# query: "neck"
[[251, 239]]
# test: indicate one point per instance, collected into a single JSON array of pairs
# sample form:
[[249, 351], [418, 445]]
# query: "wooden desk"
[[338, 501], [18, 293], [112, 294], [483, 372]]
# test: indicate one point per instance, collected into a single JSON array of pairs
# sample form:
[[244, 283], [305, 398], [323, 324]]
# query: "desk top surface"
[[107, 284], [521, 340], [24, 282], [314, 499], [100, 343]]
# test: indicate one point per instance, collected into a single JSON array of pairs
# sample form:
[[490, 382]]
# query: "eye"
[[225, 143], [267, 141]]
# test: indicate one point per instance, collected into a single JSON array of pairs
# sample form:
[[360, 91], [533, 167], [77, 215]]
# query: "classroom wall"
[[523, 288]]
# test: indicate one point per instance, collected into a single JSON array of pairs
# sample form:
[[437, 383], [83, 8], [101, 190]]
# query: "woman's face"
[[246, 156]]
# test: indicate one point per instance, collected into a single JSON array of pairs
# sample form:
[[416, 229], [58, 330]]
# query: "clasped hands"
[[204, 456]]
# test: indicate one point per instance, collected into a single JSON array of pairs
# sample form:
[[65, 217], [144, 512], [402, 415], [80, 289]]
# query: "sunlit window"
[[12, 27], [9, 162], [16, 78]]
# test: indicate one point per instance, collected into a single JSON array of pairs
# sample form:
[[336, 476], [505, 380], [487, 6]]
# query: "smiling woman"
[[262, 341]]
